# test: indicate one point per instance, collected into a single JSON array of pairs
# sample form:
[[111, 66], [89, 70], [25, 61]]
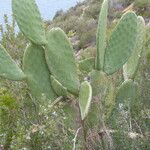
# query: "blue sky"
[[47, 8]]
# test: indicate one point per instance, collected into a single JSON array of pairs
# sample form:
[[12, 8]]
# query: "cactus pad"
[[8, 67], [99, 82], [29, 20], [85, 97], [101, 36], [38, 75], [126, 100], [58, 87], [61, 61], [121, 43], [130, 68], [127, 92], [87, 65]]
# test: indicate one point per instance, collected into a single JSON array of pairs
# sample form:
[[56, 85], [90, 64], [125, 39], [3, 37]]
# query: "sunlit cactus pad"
[[121, 43], [8, 68], [130, 68], [85, 97], [29, 20], [101, 36], [61, 61], [38, 75]]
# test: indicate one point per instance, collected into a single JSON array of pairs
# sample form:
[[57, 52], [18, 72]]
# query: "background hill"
[[81, 20]]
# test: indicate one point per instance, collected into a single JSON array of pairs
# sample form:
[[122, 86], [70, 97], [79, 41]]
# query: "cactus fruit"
[[58, 87], [87, 65], [101, 36], [85, 97], [29, 20], [38, 75], [121, 43], [61, 60], [8, 67], [98, 82], [131, 66]]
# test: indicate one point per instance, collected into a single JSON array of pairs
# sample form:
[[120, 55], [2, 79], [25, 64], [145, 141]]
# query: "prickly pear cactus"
[[29, 20], [38, 75], [61, 60], [121, 43], [59, 89], [87, 65], [99, 82], [101, 36], [85, 97], [8, 68], [126, 99], [127, 92], [131, 66]]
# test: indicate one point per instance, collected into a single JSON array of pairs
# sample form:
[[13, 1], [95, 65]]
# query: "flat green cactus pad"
[[8, 67], [99, 82], [38, 75], [85, 97], [130, 68], [59, 89], [61, 61], [126, 100], [101, 36], [121, 43], [87, 65], [29, 20], [127, 92]]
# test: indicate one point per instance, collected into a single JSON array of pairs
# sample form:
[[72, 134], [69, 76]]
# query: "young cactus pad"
[[58, 87], [101, 36], [29, 20], [8, 67], [85, 97], [87, 65], [37, 72], [61, 61], [121, 43], [131, 66]]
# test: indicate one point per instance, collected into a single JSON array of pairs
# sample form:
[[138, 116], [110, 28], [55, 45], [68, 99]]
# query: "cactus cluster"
[[121, 51], [49, 65], [128, 90]]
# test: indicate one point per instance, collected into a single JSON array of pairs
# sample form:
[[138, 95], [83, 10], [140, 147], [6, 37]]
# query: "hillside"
[[113, 122], [80, 22]]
